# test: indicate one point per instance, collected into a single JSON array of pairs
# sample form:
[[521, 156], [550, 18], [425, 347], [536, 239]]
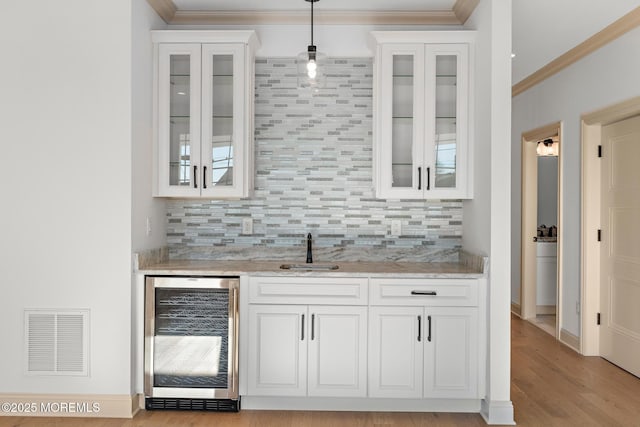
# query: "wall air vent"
[[56, 342]]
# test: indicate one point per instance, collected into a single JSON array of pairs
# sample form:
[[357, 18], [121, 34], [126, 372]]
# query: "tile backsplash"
[[313, 174]]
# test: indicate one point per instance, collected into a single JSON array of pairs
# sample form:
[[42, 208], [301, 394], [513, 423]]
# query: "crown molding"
[[620, 27], [327, 17], [168, 11], [464, 8]]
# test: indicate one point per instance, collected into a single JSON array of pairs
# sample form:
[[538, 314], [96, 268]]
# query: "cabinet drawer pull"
[[195, 176], [419, 328], [204, 177], [302, 329], [429, 321], [428, 293], [419, 178]]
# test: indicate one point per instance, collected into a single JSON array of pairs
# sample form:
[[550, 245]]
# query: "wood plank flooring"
[[551, 386]]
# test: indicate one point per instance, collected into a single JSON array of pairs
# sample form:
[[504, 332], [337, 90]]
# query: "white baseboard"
[[570, 340], [69, 405], [497, 412], [545, 309], [359, 404], [515, 309]]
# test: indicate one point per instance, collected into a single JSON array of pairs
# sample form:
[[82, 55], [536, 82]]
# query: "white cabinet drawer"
[[427, 292], [308, 290]]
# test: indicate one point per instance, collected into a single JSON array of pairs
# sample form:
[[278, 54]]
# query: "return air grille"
[[56, 342]]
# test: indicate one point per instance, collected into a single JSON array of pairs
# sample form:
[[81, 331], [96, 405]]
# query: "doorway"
[[541, 254]]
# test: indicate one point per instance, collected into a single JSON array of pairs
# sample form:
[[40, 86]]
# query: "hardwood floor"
[[551, 386]]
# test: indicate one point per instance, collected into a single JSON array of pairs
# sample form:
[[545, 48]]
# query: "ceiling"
[[545, 29]]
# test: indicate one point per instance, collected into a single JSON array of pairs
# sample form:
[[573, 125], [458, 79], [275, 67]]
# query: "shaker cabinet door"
[[337, 351], [278, 356], [396, 352], [451, 352]]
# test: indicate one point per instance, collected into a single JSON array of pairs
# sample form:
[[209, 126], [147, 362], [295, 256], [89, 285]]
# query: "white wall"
[[605, 77], [144, 19], [66, 181]]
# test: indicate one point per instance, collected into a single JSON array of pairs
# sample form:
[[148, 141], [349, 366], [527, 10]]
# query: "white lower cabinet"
[[319, 337], [424, 338], [311, 350], [423, 352]]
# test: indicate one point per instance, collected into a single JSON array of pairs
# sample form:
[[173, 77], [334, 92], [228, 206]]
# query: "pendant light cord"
[[312, 1]]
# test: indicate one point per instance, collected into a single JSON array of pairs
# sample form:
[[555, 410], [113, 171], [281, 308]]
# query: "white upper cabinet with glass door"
[[422, 117], [204, 113]]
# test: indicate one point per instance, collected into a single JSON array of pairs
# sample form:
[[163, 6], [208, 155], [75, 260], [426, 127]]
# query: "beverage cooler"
[[191, 343]]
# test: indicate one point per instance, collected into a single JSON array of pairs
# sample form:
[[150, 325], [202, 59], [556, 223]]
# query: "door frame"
[[529, 175], [592, 124]]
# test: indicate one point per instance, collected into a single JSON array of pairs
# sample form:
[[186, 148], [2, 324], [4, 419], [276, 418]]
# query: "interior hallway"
[[551, 386]]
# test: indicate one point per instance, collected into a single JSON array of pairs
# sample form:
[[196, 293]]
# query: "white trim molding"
[[69, 405], [620, 27], [497, 412], [458, 15]]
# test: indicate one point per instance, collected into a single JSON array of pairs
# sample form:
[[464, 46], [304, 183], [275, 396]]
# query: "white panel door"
[[278, 350], [337, 351], [620, 250], [396, 351], [451, 352]]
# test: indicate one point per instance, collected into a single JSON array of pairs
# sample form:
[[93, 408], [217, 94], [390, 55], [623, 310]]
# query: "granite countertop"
[[350, 269]]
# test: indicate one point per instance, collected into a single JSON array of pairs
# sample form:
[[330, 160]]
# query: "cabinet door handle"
[[419, 328], [427, 293], [302, 329], [429, 321], [428, 178], [313, 319], [204, 177], [195, 176], [419, 178]]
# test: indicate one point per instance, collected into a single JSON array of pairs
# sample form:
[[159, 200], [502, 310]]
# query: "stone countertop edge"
[[156, 262]]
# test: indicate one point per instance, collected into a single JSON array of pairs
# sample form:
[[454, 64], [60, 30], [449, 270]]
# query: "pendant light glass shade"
[[548, 147], [311, 66], [311, 63]]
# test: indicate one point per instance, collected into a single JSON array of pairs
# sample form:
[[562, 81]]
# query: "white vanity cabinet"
[[203, 92], [423, 90], [424, 338], [307, 337]]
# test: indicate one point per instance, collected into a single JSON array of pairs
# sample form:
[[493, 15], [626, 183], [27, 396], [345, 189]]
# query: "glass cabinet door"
[[403, 117], [178, 105], [449, 113], [402, 107], [222, 126], [445, 140]]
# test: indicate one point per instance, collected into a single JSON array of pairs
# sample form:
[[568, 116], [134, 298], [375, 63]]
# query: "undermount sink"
[[309, 267]]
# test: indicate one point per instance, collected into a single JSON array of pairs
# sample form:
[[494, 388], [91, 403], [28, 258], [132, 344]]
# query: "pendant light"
[[547, 148], [311, 63]]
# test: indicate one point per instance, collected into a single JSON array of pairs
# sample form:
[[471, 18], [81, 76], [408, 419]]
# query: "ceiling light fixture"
[[310, 63], [547, 148]]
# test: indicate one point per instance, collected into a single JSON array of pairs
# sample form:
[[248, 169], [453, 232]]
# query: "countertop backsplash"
[[314, 175]]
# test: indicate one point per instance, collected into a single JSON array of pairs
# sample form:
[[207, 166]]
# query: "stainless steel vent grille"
[[56, 342]]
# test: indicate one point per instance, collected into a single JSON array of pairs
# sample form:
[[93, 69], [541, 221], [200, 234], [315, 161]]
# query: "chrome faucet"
[[309, 257]]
